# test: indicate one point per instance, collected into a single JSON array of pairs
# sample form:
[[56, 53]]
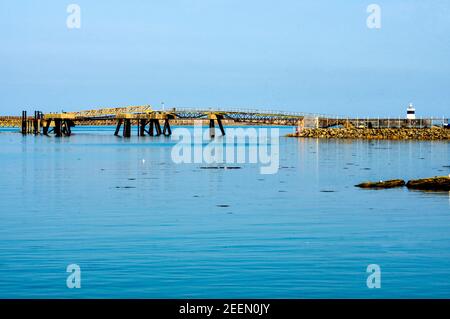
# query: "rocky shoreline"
[[434, 133]]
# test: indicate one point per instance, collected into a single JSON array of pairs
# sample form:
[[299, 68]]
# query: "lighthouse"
[[411, 112]]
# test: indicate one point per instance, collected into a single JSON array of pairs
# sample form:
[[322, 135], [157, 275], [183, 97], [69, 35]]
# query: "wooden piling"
[[119, 124], [158, 128], [142, 124], [219, 121], [212, 130], [151, 127], [127, 128], [58, 128], [24, 122], [166, 130]]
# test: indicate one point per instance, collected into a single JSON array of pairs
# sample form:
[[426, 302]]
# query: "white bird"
[[143, 161]]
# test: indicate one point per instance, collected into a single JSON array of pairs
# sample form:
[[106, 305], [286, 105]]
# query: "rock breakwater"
[[434, 133]]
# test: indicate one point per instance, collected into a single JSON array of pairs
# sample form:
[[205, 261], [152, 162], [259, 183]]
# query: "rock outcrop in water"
[[383, 184], [434, 133], [438, 183]]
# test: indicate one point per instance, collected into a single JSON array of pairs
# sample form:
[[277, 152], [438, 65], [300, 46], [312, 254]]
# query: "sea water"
[[141, 226]]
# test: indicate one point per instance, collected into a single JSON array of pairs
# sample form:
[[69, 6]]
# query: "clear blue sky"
[[311, 56]]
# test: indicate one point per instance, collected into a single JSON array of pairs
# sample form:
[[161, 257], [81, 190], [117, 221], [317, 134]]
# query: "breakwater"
[[433, 133]]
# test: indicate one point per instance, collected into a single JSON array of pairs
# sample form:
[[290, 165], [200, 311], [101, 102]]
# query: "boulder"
[[438, 183], [383, 184]]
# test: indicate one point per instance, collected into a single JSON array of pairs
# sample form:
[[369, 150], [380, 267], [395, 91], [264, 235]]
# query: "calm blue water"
[[156, 229]]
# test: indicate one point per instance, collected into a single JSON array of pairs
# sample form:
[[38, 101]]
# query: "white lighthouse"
[[411, 112]]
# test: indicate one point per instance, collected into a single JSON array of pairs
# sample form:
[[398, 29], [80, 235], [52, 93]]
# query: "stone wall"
[[434, 133]]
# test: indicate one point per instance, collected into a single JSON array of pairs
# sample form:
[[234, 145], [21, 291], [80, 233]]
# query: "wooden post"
[[39, 117], [219, 121], [24, 122], [119, 124], [142, 127], [127, 128], [212, 130], [46, 127], [167, 131], [157, 127], [58, 131], [151, 133]]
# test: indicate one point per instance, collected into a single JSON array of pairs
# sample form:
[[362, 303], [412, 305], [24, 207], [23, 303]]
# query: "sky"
[[312, 56]]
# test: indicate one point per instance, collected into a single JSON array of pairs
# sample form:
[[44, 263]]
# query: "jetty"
[[148, 121]]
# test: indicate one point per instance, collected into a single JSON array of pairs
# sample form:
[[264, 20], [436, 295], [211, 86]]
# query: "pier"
[[144, 119], [150, 122]]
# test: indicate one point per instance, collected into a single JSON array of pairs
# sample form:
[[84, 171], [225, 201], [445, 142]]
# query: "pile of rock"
[[438, 183], [434, 133], [383, 184]]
